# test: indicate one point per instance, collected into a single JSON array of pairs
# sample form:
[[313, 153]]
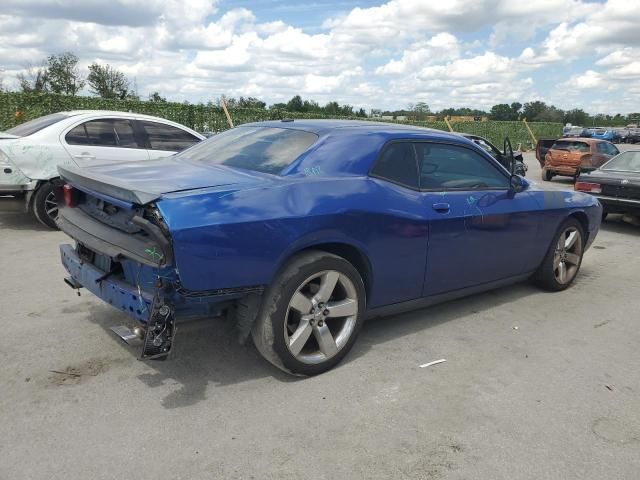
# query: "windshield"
[[33, 126], [625, 162], [263, 149]]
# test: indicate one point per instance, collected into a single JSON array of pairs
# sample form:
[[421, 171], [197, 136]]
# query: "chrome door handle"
[[441, 207], [85, 155]]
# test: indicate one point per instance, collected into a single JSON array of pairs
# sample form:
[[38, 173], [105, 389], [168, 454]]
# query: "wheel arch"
[[584, 221], [31, 193], [351, 253]]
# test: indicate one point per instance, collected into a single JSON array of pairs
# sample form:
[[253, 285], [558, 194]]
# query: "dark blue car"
[[302, 229]]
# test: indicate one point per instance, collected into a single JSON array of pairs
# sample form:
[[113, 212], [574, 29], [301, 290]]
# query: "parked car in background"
[[520, 168], [633, 135], [577, 132], [616, 184], [620, 135], [30, 153], [570, 156], [301, 229], [602, 134]]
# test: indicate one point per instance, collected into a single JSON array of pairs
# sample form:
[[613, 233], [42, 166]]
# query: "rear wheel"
[[563, 259], [311, 314], [547, 174], [44, 205]]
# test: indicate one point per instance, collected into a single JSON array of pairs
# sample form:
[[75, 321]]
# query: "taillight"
[[588, 187], [70, 195]]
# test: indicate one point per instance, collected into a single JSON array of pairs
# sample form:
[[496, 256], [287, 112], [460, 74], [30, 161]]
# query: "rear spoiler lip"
[[107, 186]]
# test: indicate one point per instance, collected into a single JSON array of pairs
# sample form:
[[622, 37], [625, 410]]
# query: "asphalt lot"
[[535, 386]]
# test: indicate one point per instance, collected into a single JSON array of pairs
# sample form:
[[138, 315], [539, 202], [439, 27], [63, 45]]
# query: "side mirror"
[[517, 183]]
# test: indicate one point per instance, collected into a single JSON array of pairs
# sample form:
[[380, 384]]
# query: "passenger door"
[[163, 140], [103, 141], [480, 230]]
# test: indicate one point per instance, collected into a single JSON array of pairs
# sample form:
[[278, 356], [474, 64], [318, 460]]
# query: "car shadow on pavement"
[[615, 224], [382, 329], [11, 220], [206, 352]]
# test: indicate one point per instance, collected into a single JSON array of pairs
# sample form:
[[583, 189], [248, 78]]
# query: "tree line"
[[60, 74]]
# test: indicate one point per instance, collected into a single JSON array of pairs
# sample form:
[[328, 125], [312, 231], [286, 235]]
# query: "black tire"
[[547, 174], [268, 332], [545, 277], [42, 207], [605, 214]]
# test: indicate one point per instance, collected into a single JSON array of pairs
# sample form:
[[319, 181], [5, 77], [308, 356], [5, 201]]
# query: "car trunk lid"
[[618, 184], [141, 183]]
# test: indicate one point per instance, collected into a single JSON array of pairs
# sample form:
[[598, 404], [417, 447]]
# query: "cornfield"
[[16, 108]]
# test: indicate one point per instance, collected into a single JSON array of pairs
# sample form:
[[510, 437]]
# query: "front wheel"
[[44, 205], [563, 259], [311, 314]]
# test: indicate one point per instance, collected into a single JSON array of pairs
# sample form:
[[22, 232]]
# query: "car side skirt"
[[419, 303]]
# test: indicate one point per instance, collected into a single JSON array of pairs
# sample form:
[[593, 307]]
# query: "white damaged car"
[[31, 152]]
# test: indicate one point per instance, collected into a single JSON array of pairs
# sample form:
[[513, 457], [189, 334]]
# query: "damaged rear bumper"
[[123, 296], [153, 249]]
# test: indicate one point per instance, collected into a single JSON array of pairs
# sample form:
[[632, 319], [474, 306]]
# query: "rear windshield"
[[263, 149], [625, 162], [33, 126], [571, 146]]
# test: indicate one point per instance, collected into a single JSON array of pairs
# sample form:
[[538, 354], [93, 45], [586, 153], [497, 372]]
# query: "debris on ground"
[[435, 362]]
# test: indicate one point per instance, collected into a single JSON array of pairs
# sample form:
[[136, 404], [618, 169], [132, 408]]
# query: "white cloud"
[[388, 55], [441, 47]]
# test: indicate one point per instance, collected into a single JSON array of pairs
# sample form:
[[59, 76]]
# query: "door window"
[[167, 137], [397, 164], [108, 132], [445, 167]]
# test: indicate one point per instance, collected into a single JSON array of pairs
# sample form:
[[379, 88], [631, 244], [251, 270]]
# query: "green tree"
[[550, 114], [532, 110], [501, 111], [34, 79], [576, 116], [515, 110], [156, 97], [251, 102], [107, 82], [64, 76], [295, 104]]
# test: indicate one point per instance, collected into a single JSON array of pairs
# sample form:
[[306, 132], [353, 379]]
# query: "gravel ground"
[[535, 386]]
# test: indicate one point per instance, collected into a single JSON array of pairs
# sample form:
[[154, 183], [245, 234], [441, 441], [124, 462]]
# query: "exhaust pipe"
[[131, 337]]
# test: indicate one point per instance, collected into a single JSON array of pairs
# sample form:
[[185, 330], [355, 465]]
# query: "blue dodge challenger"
[[302, 229]]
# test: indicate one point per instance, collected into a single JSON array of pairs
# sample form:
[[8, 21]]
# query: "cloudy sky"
[[572, 53]]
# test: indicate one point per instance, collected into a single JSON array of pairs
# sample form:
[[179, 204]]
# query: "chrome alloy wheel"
[[321, 317], [568, 253], [51, 206]]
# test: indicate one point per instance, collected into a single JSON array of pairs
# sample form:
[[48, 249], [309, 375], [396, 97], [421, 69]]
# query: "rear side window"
[[108, 132], [263, 149], [33, 126], [167, 137], [397, 163], [450, 167], [607, 148]]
